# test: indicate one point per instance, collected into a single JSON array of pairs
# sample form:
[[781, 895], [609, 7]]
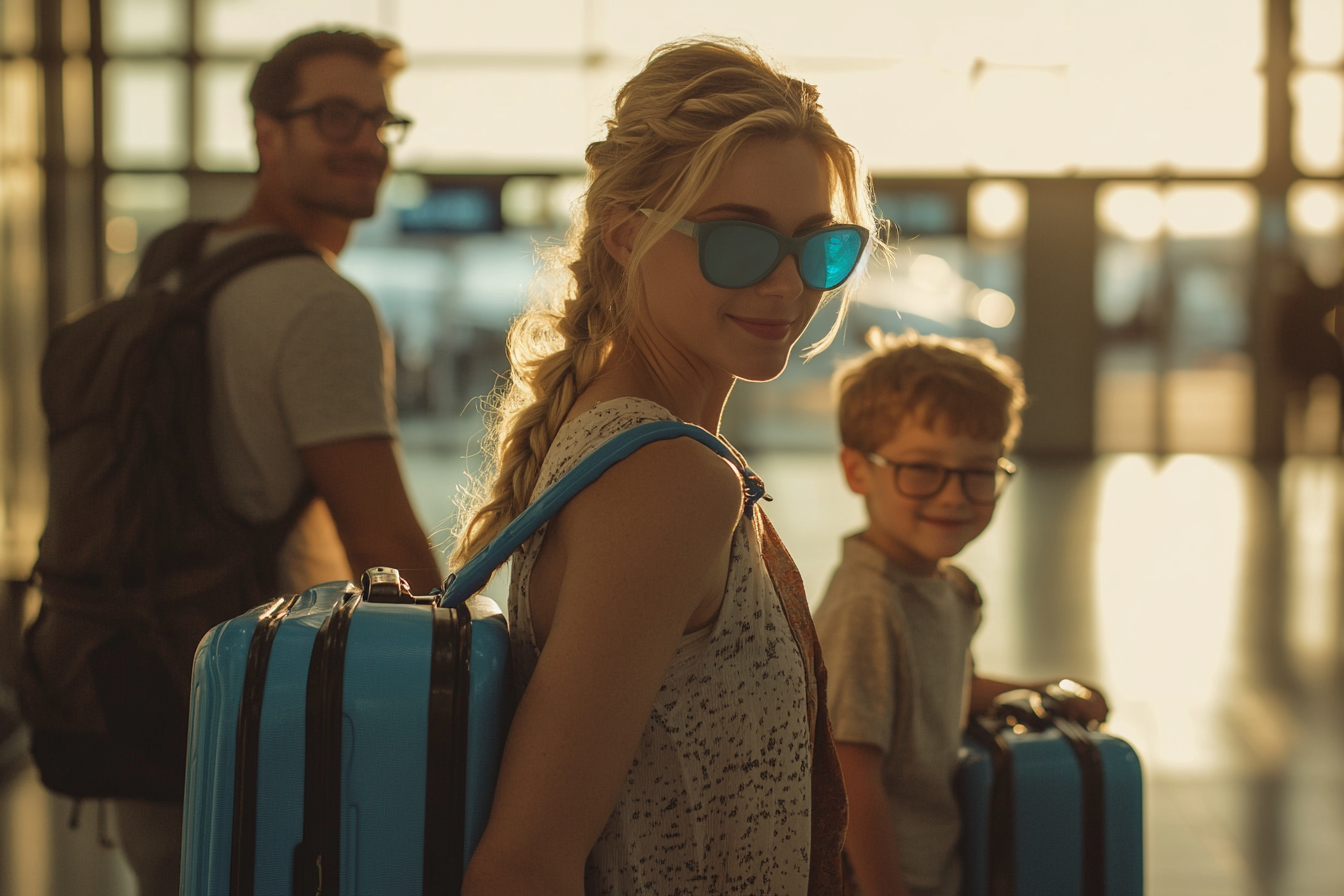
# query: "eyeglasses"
[[734, 254], [340, 121], [927, 480]]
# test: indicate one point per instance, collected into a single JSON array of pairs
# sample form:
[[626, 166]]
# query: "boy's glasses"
[[734, 254], [340, 121], [927, 480]]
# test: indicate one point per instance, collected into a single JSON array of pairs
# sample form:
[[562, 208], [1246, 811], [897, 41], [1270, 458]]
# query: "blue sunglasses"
[[734, 254]]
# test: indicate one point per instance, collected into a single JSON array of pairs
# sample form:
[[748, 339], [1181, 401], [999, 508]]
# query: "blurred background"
[[1120, 195]]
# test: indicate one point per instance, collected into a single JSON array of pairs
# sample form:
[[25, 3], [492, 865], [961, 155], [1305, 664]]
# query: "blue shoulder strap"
[[473, 576]]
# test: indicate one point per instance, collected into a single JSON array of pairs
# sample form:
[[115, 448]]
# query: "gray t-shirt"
[[897, 651], [298, 358]]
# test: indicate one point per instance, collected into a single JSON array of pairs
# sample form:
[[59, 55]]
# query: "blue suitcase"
[[1049, 808], [389, 796]]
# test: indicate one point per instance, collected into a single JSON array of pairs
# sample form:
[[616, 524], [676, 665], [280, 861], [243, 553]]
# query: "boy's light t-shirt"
[[897, 651]]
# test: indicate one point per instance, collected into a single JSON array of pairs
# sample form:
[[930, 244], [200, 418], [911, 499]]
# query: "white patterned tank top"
[[718, 797]]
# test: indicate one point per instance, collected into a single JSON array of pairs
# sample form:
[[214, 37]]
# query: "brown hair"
[[277, 79], [963, 383], [674, 126]]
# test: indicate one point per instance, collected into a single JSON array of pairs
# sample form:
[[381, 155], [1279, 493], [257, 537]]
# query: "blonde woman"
[[671, 735]]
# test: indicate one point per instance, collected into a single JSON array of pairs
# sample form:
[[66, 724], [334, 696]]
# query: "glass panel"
[[136, 208], [929, 93], [145, 114], [520, 26], [17, 26], [224, 137], [1019, 121], [1316, 208], [1318, 31], [259, 26], [1211, 211], [1217, 122], [19, 112], [144, 26], [78, 97], [1316, 216], [492, 118], [74, 25], [1318, 125]]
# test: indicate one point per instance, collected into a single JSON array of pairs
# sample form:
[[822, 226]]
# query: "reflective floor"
[[1204, 594]]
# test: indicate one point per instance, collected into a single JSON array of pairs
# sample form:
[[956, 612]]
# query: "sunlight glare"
[[1169, 600], [1312, 533], [993, 308], [931, 273], [1318, 31], [1318, 125], [998, 208], [1210, 210], [1132, 211], [1316, 208]]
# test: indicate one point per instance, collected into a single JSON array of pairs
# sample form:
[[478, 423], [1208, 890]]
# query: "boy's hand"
[[1078, 702]]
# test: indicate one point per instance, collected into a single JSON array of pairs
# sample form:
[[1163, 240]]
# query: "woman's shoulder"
[[667, 472], [583, 433]]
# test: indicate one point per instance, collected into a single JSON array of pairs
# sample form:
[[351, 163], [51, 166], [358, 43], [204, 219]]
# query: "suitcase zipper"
[[243, 846]]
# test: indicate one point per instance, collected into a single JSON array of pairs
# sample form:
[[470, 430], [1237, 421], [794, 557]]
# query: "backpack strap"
[[473, 576], [201, 280], [176, 248]]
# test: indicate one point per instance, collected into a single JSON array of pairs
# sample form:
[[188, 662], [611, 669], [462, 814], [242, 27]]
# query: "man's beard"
[[312, 194]]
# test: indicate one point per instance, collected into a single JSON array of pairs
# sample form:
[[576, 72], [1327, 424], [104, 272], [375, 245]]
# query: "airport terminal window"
[[1318, 87], [1173, 278], [506, 97]]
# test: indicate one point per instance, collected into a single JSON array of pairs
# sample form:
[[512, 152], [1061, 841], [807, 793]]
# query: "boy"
[[925, 423]]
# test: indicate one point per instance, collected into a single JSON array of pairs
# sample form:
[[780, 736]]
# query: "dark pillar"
[[1059, 336], [51, 57], [1274, 251]]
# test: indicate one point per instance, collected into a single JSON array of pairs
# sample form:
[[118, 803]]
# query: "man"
[[300, 363]]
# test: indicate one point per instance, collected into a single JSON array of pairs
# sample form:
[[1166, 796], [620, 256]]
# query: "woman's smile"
[[770, 329]]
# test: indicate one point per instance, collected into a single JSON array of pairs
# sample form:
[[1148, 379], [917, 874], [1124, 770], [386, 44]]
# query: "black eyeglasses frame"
[[384, 121], [1002, 476]]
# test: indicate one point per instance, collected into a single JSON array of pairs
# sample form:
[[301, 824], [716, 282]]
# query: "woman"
[[671, 736]]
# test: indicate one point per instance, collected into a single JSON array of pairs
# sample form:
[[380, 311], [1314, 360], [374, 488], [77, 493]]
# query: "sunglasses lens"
[[829, 257], [734, 256]]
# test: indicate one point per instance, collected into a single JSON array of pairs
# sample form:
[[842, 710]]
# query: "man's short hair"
[[964, 384], [277, 80]]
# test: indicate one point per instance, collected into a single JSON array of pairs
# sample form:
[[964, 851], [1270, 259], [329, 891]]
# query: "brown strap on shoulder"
[[830, 809]]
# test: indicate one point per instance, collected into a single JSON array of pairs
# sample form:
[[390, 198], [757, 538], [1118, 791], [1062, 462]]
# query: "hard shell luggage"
[[389, 794], [347, 740], [1048, 807]]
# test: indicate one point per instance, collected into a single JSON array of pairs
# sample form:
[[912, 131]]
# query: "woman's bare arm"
[[645, 546]]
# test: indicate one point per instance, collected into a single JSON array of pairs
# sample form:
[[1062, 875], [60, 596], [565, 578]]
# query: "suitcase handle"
[[384, 585], [474, 575]]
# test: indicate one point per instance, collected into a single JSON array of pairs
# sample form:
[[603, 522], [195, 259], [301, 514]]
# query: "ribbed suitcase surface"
[[1048, 830], [424, 711]]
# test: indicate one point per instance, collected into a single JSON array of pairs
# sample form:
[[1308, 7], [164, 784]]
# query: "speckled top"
[[718, 798]]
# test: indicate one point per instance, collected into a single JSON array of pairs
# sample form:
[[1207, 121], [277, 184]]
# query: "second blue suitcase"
[[1049, 809]]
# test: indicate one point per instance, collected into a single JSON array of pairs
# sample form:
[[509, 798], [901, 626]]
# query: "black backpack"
[[140, 556]]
